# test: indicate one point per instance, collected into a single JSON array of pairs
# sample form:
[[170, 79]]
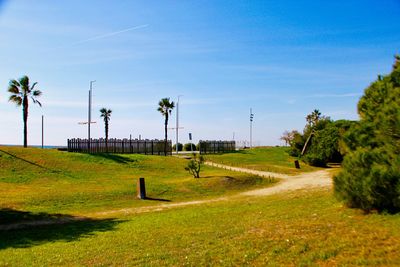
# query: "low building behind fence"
[[212, 147], [120, 146]]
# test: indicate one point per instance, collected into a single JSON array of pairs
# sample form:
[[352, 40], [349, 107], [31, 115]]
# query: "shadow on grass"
[[36, 165], [21, 229], [114, 157], [219, 177], [24, 160], [157, 199]]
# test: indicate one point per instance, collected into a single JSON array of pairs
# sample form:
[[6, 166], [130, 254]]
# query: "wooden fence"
[[212, 147], [120, 146]]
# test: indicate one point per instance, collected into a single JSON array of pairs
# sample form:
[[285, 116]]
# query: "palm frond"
[[33, 86], [24, 82], [161, 109], [36, 93], [13, 89], [36, 101], [14, 83], [165, 106], [16, 99], [105, 113]]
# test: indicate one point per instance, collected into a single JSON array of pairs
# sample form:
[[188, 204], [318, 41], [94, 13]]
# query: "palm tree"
[[314, 117], [106, 114], [21, 91], [165, 108]]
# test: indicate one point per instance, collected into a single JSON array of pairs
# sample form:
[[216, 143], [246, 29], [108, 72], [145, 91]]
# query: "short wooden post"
[[141, 189], [297, 164]]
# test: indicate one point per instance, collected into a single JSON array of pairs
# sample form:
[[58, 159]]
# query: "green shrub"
[[324, 146], [194, 165], [370, 180], [296, 145], [180, 147], [189, 147], [324, 139]]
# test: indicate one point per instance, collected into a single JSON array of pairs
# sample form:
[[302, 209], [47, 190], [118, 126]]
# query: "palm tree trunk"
[[166, 135], [306, 144], [25, 119], [106, 132]]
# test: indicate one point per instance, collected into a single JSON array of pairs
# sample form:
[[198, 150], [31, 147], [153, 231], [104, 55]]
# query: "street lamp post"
[[251, 128], [89, 121], [42, 131], [90, 111], [177, 123]]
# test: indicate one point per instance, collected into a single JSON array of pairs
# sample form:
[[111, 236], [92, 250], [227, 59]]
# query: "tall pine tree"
[[370, 177]]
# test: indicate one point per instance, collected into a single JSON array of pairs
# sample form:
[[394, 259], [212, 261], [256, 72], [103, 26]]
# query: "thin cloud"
[[110, 34]]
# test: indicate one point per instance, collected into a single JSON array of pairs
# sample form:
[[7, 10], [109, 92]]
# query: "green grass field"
[[272, 159], [53, 181], [295, 228]]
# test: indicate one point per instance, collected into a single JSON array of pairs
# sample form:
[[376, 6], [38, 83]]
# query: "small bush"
[[194, 165], [296, 145], [189, 147], [370, 180], [180, 147], [324, 146]]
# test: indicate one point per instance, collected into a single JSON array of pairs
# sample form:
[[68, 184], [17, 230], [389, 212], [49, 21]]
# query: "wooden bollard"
[[141, 189], [297, 164]]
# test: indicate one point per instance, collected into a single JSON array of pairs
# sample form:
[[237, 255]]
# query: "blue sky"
[[281, 58]]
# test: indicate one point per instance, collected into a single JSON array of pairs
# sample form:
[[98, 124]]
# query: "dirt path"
[[320, 178], [250, 171], [308, 180]]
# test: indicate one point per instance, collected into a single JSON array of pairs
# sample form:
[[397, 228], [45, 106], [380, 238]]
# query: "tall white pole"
[[90, 111], [251, 128], [42, 131], [177, 124], [89, 115]]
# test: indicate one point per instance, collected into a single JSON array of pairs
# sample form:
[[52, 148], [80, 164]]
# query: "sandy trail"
[[308, 180], [288, 183], [320, 178], [249, 171]]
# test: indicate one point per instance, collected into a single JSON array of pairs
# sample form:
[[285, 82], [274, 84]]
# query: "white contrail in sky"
[[111, 34]]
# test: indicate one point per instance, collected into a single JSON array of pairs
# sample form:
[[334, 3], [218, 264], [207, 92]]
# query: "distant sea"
[[38, 146]]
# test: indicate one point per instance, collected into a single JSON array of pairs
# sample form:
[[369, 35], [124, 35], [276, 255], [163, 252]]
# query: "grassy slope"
[[53, 181], [295, 229], [273, 159]]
